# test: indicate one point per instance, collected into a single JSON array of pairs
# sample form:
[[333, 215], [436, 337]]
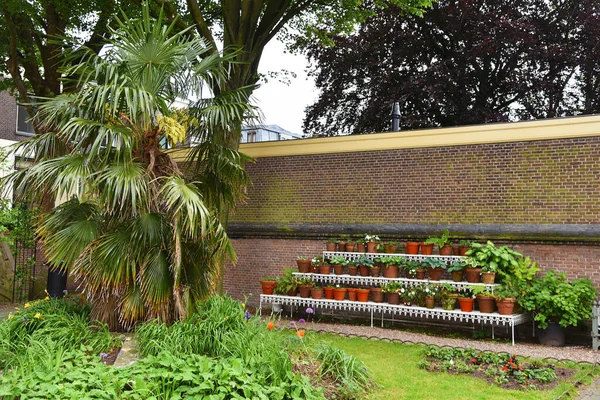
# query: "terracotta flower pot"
[[488, 278], [391, 271], [446, 250], [363, 295], [455, 250], [393, 298], [292, 292], [463, 250], [350, 247], [449, 302], [364, 270], [435, 274], [371, 247], [457, 276], [316, 294], [331, 246], [426, 249], [338, 269], [486, 303], [466, 304], [352, 270], [412, 247], [420, 274], [339, 294], [429, 301], [352, 294], [304, 266], [304, 291], [375, 271], [342, 246], [325, 269], [473, 275], [377, 295], [361, 248], [506, 306], [328, 293], [390, 248], [268, 286]]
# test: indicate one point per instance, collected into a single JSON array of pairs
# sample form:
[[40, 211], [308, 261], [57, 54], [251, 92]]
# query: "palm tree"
[[141, 234]]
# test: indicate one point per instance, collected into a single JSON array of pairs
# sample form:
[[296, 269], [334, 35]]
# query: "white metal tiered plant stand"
[[410, 311]]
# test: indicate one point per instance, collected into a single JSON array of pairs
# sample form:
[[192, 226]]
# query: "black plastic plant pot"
[[57, 283]]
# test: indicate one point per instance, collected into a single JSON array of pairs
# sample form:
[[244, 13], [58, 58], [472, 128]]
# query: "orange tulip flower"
[[300, 333], [270, 325]]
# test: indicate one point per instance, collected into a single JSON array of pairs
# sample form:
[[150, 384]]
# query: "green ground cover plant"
[[395, 367], [48, 325]]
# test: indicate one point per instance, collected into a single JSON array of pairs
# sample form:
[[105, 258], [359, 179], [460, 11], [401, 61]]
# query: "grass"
[[394, 366]]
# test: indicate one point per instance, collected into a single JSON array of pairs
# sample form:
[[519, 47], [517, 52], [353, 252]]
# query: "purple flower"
[[103, 356], [247, 315], [65, 291], [293, 323], [309, 310], [301, 320]]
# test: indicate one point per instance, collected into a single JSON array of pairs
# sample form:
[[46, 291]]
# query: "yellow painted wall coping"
[[558, 128]]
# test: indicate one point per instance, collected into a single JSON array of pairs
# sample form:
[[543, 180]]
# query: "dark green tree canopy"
[[463, 62]]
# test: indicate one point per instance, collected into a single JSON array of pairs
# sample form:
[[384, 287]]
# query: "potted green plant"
[[485, 299], [410, 268], [361, 246], [350, 246], [448, 296], [502, 259], [316, 292], [372, 241], [506, 298], [466, 299], [430, 294], [557, 303], [332, 244], [316, 263], [352, 268], [322, 266], [391, 289], [268, 285], [338, 262], [435, 267], [287, 283], [457, 270], [463, 246], [328, 292], [304, 287], [442, 242], [303, 265], [339, 292], [410, 295], [390, 247], [364, 265], [472, 270], [391, 266], [488, 274]]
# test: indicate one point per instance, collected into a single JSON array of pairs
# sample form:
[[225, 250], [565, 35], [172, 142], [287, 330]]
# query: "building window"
[[252, 137], [24, 125]]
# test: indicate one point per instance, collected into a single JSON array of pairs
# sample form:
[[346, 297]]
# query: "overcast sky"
[[284, 105]]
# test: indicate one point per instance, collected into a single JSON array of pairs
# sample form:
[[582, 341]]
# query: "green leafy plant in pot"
[[442, 242], [435, 267], [502, 260], [287, 284], [457, 269], [555, 302]]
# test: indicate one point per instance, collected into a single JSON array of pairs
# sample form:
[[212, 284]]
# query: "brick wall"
[[531, 183], [259, 258], [540, 182]]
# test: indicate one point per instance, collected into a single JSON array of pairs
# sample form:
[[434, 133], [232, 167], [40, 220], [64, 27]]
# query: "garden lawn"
[[395, 368]]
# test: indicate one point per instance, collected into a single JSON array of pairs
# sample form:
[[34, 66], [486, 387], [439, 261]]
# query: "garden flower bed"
[[505, 370]]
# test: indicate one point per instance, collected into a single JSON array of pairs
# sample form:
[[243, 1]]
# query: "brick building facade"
[[540, 194]]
